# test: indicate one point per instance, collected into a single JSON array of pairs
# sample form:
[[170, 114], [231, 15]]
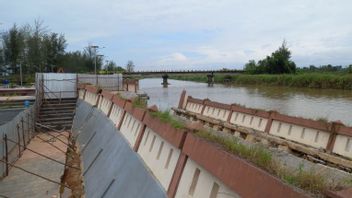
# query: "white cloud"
[[317, 31], [173, 59]]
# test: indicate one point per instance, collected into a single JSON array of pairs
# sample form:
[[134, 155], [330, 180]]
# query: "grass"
[[311, 80], [309, 181], [256, 154], [165, 117], [139, 103]]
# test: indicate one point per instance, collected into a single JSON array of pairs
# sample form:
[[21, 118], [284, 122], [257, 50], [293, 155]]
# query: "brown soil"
[[72, 177]]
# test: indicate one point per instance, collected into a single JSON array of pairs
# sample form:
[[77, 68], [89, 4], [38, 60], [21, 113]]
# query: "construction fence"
[[107, 82]]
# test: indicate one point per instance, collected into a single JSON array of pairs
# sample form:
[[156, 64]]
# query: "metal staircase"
[[56, 97], [56, 114]]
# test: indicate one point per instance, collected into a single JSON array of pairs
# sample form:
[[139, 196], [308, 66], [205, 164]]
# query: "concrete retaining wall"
[[150, 158], [307, 136], [110, 167], [343, 145], [198, 182], [194, 105], [91, 95], [81, 93], [334, 137], [130, 128], [159, 155], [249, 121], [105, 102], [116, 114], [104, 105]]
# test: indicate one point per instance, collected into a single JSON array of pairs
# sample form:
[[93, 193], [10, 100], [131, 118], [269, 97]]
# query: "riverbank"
[[310, 80]]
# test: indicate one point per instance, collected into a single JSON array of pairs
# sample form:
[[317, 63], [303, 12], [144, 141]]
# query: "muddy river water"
[[304, 102]]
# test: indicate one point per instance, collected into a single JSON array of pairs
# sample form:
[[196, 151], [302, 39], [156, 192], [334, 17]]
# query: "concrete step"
[[56, 111], [60, 105], [58, 101], [58, 108], [54, 114], [58, 127], [57, 123], [56, 119]]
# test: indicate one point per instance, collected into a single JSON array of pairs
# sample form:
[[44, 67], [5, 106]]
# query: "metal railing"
[[21, 130]]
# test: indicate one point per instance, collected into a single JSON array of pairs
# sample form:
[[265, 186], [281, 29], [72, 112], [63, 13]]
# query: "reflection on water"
[[303, 102]]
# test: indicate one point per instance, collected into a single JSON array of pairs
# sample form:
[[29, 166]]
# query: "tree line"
[[279, 62], [33, 48]]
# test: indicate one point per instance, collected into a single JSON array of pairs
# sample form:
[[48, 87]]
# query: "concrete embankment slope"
[[182, 164], [110, 167]]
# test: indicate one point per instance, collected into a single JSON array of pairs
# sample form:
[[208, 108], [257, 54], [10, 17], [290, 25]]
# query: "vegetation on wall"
[[309, 180]]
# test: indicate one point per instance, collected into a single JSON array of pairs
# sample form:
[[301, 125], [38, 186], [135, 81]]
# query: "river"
[[303, 102]]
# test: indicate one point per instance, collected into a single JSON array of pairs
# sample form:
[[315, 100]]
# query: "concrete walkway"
[[21, 184]]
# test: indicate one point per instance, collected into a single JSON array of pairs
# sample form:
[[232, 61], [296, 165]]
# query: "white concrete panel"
[[81, 93], [307, 136], [343, 146], [91, 98], [249, 121], [116, 114], [203, 187], [160, 156], [130, 129], [220, 114], [193, 107], [104, 105]]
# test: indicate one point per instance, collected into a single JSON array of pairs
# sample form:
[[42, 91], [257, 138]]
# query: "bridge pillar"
[[165, 83], [210, 79]]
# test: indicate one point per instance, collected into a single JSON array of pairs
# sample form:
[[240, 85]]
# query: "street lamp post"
[[21, 74], [96, 76], [95, 47]]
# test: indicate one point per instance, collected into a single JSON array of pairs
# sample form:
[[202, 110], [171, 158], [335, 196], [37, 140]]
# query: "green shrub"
[[167, 118], [311, 79]]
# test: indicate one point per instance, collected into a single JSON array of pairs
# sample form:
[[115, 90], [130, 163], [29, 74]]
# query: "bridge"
[[165, 74]]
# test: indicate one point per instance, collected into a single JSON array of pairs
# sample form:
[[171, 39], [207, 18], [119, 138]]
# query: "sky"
[[195, 34]]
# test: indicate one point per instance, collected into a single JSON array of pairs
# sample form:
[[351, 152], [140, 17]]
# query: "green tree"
[[130, 66], [2, 58], [111, 66], [250, 67], [35, 47], [278, 63], [53, 49], [13, 47]]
